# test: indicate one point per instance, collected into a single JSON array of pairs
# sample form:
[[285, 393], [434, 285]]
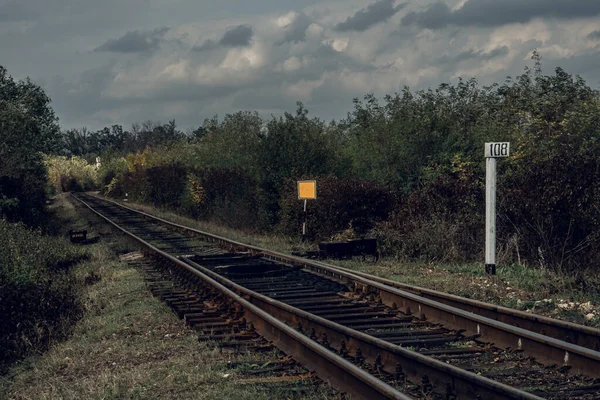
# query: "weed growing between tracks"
[[274, 242], [130, 345], [525, 288], [514, 286]]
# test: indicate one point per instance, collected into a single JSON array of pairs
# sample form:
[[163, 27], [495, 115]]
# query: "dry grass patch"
[[274, 242], [558, 295], [129, 345], [515, 286]]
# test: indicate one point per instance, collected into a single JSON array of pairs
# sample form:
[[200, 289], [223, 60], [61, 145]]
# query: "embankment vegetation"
[[40, 297], [407, 168]]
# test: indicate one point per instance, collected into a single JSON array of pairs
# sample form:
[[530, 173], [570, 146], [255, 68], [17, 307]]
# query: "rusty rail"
[[579, 335], [544, 348], [267, 315], [330, 367], [464, 384]]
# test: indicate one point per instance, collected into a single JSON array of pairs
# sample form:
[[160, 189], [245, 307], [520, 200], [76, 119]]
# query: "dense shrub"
[[71, 174], [23, 192], [38, 297], [111, 171], [28, 127], [426, 148], [165, 185], [341, 204], [551, 188], [226, 196], [443, 220]]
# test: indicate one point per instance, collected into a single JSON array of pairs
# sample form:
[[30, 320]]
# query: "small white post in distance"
[[306, 190], [492, 152], [304, 223]]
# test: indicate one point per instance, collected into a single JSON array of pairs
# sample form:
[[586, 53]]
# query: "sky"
[[123, 61]]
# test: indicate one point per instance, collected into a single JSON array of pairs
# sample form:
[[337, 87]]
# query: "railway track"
[[208, 312], [396, 342]]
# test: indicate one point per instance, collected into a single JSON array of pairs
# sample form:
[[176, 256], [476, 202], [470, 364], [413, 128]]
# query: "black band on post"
[[490, 269]]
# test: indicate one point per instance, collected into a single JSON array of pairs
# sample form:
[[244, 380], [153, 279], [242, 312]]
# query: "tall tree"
[[28, 127]]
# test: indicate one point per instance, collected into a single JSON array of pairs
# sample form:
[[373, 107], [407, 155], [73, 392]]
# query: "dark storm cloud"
[[240, 36], [594, 35], [83, 96], [134, 42], [207, 45], [375, 13], [495, 12]]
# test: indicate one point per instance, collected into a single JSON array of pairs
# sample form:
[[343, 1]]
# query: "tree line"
[[407, 168]]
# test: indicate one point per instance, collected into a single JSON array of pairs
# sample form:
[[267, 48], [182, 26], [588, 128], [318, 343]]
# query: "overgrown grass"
[[132, 346], [129, 345], [43, 280], [278, 242], [39, 296], [516, 286]]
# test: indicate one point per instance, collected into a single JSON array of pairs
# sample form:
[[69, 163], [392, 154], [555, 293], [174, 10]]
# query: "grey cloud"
[[134, 42], [80, 98], [594, 35], [88, 94], [265, 97], [16, 11], [375, 13], [495, 13], [207, 45], [240, 36], [478, 55], [436, 16], [585, 65], [323, 59], [296, 31]]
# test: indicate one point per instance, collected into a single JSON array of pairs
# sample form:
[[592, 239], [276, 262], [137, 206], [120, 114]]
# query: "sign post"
[[492, 152], [307, 190]]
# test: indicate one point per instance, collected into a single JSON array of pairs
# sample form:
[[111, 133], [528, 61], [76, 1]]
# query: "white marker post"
[[492, 151]]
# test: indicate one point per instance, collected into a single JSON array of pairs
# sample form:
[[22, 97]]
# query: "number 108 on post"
[[497, 149]]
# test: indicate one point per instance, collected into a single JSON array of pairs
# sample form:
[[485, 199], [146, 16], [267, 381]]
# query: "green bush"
[[410, 168], [166, 184], [28, 127], [226, 196], [443, 221], [72, 174], [341, 205], [110, 172], [39, 298]]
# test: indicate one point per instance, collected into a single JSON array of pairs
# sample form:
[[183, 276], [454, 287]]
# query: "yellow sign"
[[307, 190]]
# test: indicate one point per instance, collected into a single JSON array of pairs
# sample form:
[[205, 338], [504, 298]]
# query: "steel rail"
[[545, 349], [580, 335], [329, 366], [464, 384]]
